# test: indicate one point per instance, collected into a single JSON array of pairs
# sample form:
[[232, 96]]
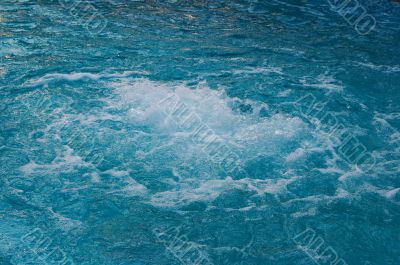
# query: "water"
[[227, 132]]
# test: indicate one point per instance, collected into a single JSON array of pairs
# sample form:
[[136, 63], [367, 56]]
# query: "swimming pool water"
[[199, 132]]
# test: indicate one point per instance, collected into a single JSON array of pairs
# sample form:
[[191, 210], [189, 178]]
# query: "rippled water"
[[99, 164]]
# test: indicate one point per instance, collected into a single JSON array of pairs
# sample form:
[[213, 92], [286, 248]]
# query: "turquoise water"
[[199, 132]]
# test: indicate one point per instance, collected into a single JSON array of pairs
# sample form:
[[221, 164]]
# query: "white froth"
[[64, 222], [236, 122], [259, 70], [310, 212], [79, 76], [381, 68], [298, 153], [117, 173], [65, 160], [392, 193], [325, 82], [284, 93], [131, 188], [213, 108], [247, 132], [208, 190], [3, 71]]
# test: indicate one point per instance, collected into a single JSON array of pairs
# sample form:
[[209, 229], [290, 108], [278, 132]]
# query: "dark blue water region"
[[199, 132]]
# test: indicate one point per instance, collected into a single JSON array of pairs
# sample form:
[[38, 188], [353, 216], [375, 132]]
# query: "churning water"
[[199, 132]]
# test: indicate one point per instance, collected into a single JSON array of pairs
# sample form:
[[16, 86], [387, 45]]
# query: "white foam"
[[247, 133], [259, 70], [29, 168], [208, 190], [392, 193], [65, 223], [381, 68], [298, 153], [69, 77], [64, 160], [3, 71], [325, 82], [131, 188], [95, 178], [79, 76], [11, 47], [388, 159], [214, 109], [309, 212], [117, 173], [284, 93]]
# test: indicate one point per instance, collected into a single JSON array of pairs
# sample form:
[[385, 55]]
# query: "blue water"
[[98, 166]]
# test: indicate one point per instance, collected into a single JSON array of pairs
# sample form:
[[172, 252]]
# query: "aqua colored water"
[[199, 132]]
